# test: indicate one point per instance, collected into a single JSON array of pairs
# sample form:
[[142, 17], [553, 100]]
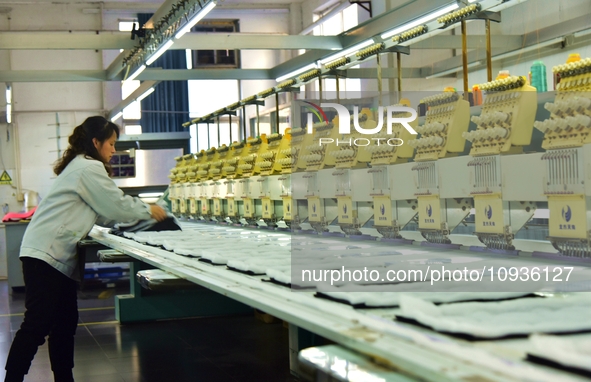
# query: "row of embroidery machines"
[[376, 181]]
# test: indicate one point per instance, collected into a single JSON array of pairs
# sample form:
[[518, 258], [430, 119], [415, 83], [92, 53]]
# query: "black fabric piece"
[[208, 261], [470, 337], [168, 224], [346, 302], [250, 273], [291, 286], [363, 306], [556, 365], [273, 281], [51, 309]]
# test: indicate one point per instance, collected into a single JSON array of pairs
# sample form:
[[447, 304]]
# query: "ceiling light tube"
[[8, 104], [117, 116], [296, 72], [159, 52], [346, 52], [582, 33], [454, 70], [198, 16], [146, 93], [421, 20], [150, 195], [136, 73]]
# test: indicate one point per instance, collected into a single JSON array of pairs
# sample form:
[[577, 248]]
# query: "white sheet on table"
[[389, 295], [559, 313], [574, 351]]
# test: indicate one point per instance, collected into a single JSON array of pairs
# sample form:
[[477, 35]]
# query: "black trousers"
[[51, 309]]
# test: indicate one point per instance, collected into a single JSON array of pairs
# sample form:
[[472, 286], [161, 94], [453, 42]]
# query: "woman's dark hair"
[[81, 141]]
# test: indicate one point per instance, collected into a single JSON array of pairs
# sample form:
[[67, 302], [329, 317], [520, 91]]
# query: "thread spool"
[[538, 76]]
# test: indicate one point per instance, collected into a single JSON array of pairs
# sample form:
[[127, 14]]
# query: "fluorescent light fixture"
[[159, 52], [346, 52], [454, 70], [8, 104], [296, 72], [146, 93], [198, 16], [528, 49], [117, 116], [584, 32], [189, 58], [421, 20], [150, 195], [136, 73], [133, 129]]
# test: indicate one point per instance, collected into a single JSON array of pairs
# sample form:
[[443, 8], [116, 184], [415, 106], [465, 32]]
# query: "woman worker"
[[81, 193]]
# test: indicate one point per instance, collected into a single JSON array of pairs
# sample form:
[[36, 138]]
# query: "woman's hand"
[[157, 213]]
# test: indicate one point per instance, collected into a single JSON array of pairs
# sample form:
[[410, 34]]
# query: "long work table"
[[414, 351]]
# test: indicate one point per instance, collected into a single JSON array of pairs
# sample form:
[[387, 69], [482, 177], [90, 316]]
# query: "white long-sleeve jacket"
[[79, 195]]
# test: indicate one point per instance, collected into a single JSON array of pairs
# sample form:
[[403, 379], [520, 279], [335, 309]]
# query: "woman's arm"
[[107, 200]]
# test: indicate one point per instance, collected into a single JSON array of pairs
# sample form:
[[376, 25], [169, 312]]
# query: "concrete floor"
[[231, 348]]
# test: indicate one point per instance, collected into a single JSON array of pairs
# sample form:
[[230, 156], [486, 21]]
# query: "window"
[[338, 23], [203, 102], [126, 25], [133, 129], [345, 20], [207, 58], [268, 122], [123, 165]]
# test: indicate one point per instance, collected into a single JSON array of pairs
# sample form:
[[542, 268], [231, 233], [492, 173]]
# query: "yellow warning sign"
[[5, 178]]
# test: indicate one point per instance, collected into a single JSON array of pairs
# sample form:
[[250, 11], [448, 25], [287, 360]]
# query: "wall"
[[37, 106], [278, 23]]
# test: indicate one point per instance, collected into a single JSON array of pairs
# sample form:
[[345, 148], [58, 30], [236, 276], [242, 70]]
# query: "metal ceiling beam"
[[509, 42], [204, 74], [255, 41], [143, 6], [66, 40], [111, 6], [152, 74], [371, 73], [52, 75], [145, 86], [156, 74], [116, 67], [122, 40]]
